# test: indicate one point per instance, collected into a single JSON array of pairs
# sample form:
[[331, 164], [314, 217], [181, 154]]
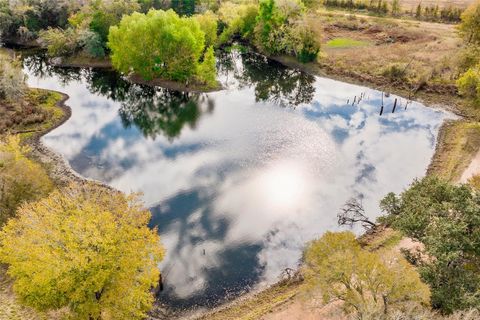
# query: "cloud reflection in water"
[[236, 183]]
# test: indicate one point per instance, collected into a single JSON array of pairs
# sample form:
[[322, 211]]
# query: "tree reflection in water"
[[158, 111], [153, 110], [272, 81]]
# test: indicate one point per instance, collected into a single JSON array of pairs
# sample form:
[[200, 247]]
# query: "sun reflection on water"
[[283, 185]]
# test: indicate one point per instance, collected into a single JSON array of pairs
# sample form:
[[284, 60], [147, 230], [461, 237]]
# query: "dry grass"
[[36, 112], [11, 309], [412, 4], [256, 306], [459, 142], [426, 51]]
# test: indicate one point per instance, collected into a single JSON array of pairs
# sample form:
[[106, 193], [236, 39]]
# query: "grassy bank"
[[458, 143], [37, 113]]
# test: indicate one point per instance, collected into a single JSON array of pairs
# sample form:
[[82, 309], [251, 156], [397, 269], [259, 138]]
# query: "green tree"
[[21, 180], [85, 248], [283, 28], [208, 24], [370, 284], [446, 219], [207, 70], [238, 21], [104, 14], [470, 26], [159, 44]]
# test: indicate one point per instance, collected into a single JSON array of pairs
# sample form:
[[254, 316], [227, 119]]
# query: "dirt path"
[[472, 170], [299, 310]]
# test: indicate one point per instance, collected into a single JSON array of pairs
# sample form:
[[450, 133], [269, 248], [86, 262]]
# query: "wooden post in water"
[[394, 105], [381, 109], [160, 283]]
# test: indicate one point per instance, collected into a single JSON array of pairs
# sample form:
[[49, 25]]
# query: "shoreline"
[[62, 173], [106, 64]]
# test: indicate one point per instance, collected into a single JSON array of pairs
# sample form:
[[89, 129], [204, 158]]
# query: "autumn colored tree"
[[85, 248], [370, 284], [21, 179]]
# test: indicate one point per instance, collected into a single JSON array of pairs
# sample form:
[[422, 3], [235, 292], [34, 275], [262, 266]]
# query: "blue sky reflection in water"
[[238, 180]]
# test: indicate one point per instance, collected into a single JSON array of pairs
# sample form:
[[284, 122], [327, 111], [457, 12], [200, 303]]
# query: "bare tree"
[[352, 212]]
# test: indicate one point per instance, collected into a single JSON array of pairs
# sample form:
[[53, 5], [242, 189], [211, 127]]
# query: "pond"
[[238, 180]]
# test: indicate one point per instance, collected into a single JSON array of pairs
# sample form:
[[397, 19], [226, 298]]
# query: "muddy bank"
[[57, 167], [105, 63], [432, 96], [192, 87]]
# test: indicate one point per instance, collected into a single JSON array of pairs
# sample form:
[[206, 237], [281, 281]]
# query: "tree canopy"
[[159, 44], [85, 248], [21, 179], [370, 284], [446, 219]]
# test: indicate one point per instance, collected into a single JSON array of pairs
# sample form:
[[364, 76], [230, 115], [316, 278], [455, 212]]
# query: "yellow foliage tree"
[[20, 178], [85, 248], [368, 283]]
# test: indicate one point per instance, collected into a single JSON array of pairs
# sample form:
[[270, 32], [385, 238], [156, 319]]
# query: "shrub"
[[469, 84], [91, 43], [370, 284], [158, 44], [21, 179], [84, 248], [301, 41], [282, 28], [59, 42], [395, 72], [12, 79]]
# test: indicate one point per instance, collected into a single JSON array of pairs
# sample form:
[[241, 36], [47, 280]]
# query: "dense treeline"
[[448, 14], [469, 82], [119, 28]]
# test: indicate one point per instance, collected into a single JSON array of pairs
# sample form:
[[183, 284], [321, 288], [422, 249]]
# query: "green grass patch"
[[338, 43]]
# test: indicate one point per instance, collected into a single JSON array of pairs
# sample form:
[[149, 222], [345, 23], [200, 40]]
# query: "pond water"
[[238, 180]]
